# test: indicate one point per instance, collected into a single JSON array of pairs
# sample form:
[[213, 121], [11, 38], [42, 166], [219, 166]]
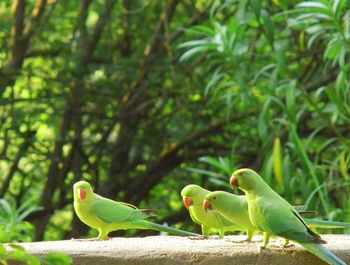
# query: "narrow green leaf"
[[268, 168], [194, 43], [192, 52], [286, 169], [340, 83], [308, 165], [277, 164], [317, 7], [302, 40], [204, 172], [217, 76], [263, 121], [312, 5], [333, 49], [27, 212], [291, 104], [220, 182], [269, 28], [343, 166], [333, 96], [256, 5]]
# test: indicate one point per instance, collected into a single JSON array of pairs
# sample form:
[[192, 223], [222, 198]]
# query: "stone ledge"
[[173, 250]]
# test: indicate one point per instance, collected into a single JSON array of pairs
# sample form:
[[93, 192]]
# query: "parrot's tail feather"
[[323, 253], [308, 213], [149, 211], [167, 229], [326, 224]]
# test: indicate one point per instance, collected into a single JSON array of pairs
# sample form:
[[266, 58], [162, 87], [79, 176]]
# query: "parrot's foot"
[[104, 238], [242, 241], [86, 239], [198, 237], [216, 237], [261, 248], [287, 246], [204, 237]]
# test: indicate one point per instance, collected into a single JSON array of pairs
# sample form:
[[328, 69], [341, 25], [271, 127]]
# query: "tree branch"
[[171, 157], [92, 41], [29, 137], [35, 19]]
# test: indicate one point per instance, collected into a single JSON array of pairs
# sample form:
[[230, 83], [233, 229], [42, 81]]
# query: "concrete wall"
[[172, 250]]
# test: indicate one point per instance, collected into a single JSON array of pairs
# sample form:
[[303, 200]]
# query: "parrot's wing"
[[290, 225], [223, 220], [130, 205], [150, 212], [111, 211]]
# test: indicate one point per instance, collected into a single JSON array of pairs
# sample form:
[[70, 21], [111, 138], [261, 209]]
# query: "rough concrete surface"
[[173, 250]]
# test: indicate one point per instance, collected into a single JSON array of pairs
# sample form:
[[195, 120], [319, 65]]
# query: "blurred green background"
[[141, 98]]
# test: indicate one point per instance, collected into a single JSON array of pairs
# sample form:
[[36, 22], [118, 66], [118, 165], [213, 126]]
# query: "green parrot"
[[271, 214], [193, 196], [232, 207], [235, 209], [106, 215]]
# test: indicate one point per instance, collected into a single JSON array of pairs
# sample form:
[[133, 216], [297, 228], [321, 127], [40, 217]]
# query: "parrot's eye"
[[214, 198]]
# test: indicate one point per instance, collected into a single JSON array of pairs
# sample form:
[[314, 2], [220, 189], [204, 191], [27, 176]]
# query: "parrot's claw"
[[86, 239], [287, 246], [261, 248], [243, 241], [204, 237], [198, 237], [100, 238], [105, 238]]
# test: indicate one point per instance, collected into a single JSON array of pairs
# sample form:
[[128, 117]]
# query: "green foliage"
[[13, 252], [292, 72], [144, 97], [92, 93], [17, 253], [13, 228], [55, 258], [12, 223], [220, 169]]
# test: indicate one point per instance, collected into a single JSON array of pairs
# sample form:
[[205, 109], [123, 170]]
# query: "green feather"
[[209, 221], [272, 214], [167, 229], [106, 215], [323, 253], [326, 224]]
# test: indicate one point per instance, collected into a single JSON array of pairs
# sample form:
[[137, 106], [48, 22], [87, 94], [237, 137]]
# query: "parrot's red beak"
[[206, 205], [233, 181], [187, 201], [82, 194]]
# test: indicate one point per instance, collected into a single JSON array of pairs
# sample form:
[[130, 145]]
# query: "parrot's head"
[[82, 189], [214, 201], [244, 178], [192, 195]]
